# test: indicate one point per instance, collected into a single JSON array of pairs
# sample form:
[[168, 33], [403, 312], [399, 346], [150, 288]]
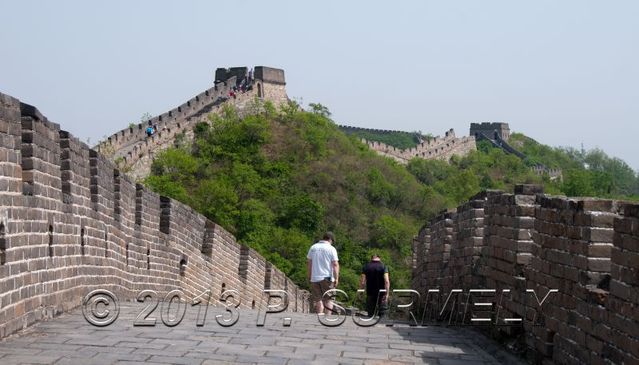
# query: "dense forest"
[[277, 179]]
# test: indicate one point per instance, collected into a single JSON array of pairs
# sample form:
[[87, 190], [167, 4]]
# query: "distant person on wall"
[[375, 277], [149, 131], [323, 271]]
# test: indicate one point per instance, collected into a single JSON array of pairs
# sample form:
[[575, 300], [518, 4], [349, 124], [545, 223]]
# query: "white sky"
[[562, 72]]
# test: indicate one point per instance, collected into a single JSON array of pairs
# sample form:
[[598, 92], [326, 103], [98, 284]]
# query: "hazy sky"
[[562, 72]]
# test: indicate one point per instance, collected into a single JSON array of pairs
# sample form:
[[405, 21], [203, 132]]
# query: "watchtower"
[[269, 82], [492, 131]]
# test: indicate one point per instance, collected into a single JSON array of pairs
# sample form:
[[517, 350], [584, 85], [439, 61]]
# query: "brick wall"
[[70, 222], [585, 248]]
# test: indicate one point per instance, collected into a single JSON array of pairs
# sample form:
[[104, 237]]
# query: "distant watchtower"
[[492, 131], [269, 82]]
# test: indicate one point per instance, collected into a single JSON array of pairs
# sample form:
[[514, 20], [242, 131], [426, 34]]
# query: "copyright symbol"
[[100, 307]]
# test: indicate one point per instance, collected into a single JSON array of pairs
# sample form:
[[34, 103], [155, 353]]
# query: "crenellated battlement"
[[348, 128], [72, 221], [585, 248], [435, 148], [552, 173], [133, 149]]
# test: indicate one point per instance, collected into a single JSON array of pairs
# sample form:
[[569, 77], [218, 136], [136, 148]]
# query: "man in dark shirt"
[[375, 277]]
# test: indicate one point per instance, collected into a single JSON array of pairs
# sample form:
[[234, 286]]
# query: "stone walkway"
[[69, 339]]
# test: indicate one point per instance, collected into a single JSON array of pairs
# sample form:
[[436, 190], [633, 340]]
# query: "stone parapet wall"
[[435, 263], [468, 245], [584, 248], [133, 149], [168, 121], [442, 148], [71, 222], [508, 223], [571, 253], [421, 245]]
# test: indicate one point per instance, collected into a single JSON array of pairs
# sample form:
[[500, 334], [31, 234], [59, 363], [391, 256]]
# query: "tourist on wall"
[[374, 278], [323, 271]]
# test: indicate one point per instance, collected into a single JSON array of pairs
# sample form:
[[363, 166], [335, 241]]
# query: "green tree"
[[578, 183]]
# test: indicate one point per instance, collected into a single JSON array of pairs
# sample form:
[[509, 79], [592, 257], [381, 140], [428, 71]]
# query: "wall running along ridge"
[[442, 148], [586, 248], [133, 151], [71, 222]]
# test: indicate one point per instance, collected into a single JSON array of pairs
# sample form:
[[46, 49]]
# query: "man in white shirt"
[[323, 271]]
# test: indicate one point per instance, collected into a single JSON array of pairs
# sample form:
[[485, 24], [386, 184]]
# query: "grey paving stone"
[[219, 362], [293, 343], [258, 340], [391, 352], [176, 342], [177, 360], [112, 357], [29, 359], [82, 361], [141, 345], [364, 355], [340, 348], [219, 359], [459, 362], [54, 346], [205, 338], [290, 354], [109, 349], [156, 352], [15, 350], [332, 360], [407, 360], [102, 342], [325, 341], [229, 349], [70, 353], [68, 339], [300, 362], [252, 359]]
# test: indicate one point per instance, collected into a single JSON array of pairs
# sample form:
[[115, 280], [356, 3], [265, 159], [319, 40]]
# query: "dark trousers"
[[372, 302]]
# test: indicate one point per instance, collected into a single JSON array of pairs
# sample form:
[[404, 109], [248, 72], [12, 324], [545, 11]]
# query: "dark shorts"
[[319, 288]]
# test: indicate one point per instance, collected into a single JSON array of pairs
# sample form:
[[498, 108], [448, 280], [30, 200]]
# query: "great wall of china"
[[441, 148], [71, 221], [132, 150], [587, 249]]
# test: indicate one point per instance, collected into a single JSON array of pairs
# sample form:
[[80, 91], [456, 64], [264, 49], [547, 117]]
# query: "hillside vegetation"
[[462, 177], [585, 173], [278, 179]]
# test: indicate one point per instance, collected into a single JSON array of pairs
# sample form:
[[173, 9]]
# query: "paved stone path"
[[69, 339]]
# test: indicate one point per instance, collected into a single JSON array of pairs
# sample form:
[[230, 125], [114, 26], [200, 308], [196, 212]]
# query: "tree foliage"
[[585, 172], [279, 179]]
